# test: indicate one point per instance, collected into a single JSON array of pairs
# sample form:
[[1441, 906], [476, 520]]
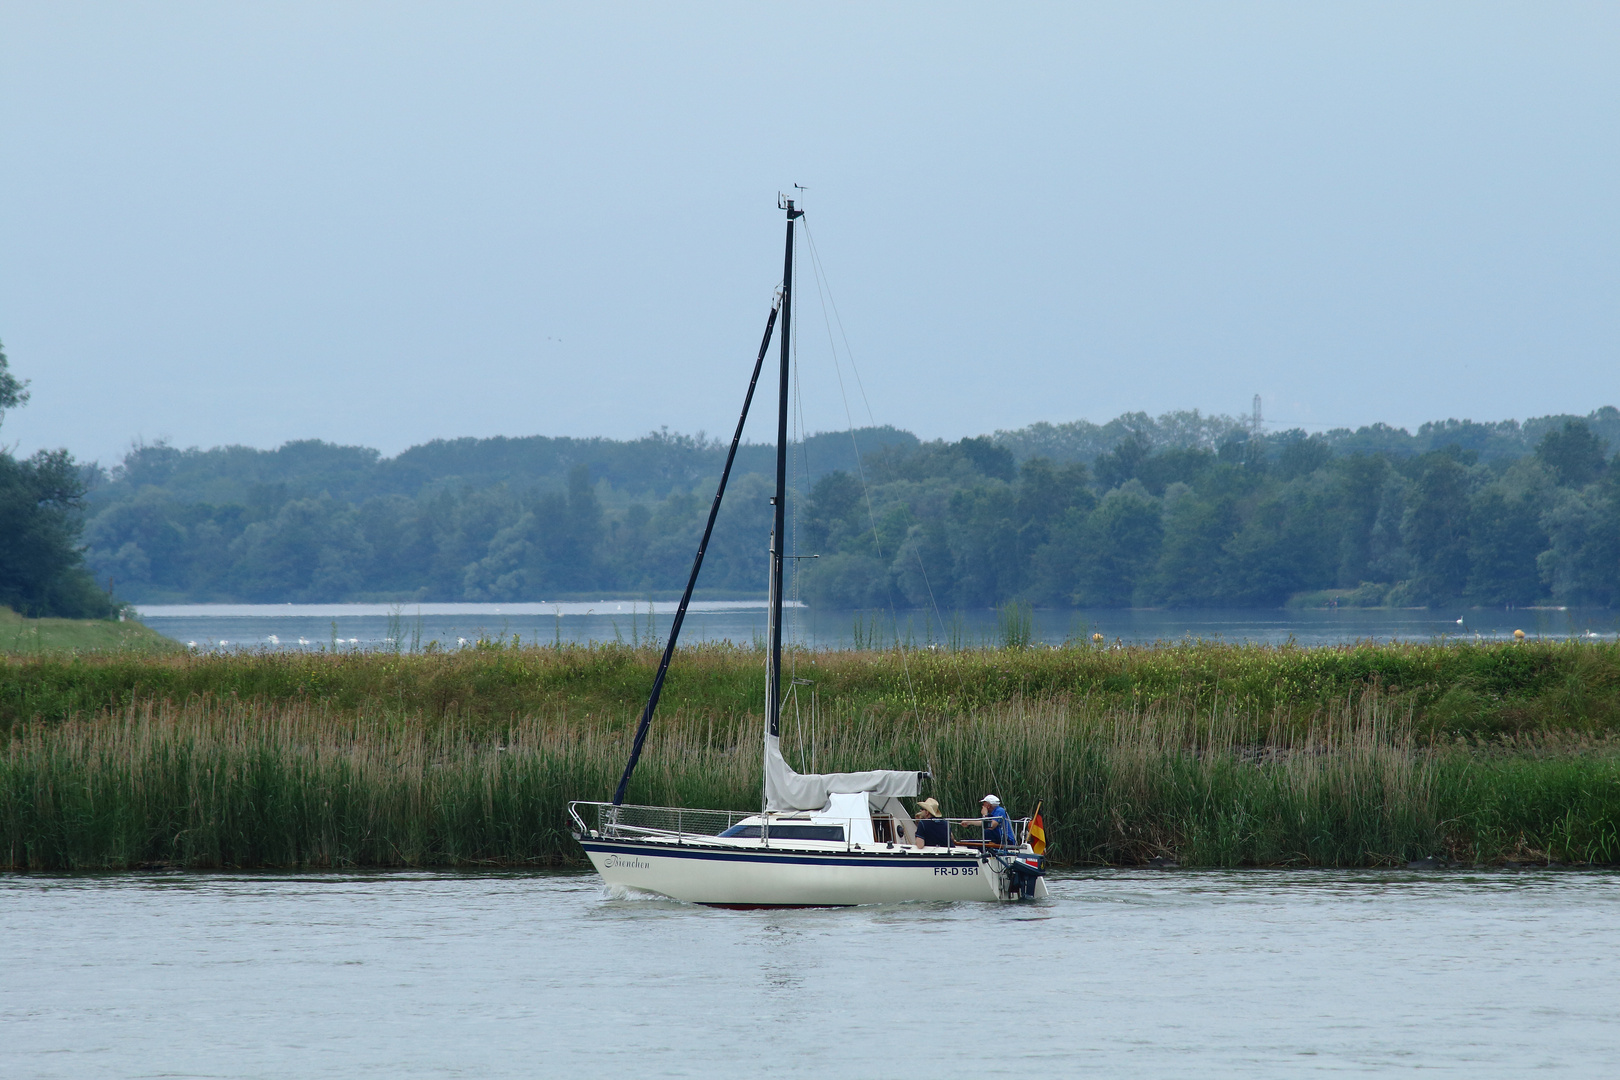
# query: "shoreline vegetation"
[[21, 636], [1201, 754]]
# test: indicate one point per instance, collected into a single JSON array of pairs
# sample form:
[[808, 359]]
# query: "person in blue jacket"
[[997, 825]]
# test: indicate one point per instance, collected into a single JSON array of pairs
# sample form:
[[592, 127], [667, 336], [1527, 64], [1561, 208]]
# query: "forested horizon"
[[1182, 510]]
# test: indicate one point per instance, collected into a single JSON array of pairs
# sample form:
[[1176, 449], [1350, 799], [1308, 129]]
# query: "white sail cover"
[[789, 790]]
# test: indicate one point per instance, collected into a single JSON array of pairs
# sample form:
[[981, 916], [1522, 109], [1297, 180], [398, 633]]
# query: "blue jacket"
[[998, 826]]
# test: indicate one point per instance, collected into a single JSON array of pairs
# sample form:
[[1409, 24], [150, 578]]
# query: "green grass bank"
[[21, 636], [1214, 755]]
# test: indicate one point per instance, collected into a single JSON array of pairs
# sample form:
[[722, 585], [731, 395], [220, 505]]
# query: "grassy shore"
[[1207, 754], [20, 636], [1477, 691]]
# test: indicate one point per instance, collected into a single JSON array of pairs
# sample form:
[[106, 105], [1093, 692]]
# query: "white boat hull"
[[729, 876]]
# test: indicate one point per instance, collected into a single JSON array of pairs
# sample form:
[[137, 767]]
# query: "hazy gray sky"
[[383, 223]]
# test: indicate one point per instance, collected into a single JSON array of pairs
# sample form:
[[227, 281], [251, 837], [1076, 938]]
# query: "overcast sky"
[[381, 224]]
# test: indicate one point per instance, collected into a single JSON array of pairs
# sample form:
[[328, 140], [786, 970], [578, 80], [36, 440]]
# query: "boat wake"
[[617, 891]]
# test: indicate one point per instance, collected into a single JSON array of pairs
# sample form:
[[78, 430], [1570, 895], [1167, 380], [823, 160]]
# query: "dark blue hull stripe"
[[803, 858]]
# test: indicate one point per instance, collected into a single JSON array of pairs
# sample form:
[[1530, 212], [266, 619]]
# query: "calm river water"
[[1120, 974], [281, 627]]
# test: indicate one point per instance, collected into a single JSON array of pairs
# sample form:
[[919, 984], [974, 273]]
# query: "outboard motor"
[[1022, 874]]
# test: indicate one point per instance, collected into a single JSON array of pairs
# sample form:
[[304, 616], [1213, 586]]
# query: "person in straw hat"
[[932, 828]]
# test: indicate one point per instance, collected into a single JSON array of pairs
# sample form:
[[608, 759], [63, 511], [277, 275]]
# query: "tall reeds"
[[212, 781]]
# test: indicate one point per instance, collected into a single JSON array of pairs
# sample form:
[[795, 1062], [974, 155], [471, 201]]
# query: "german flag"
[[1037, 832]]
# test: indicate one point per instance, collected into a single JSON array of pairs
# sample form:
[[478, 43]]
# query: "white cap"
[[991, 799]]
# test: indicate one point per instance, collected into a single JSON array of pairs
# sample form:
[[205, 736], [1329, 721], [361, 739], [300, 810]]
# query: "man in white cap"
[[997, 826]]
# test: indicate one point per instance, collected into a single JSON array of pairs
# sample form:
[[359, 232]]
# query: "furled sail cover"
[[789, 790]]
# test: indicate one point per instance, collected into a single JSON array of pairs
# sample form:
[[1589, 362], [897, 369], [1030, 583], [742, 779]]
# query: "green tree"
[[41, 518], [1122, 462], [1191, 558], [1300, 455], [41, 566], [1286, 545], [835, 513], [1573, 453], [1118, 547], [555, 546], [1176, 465], [1506, 536], [1582, 562], [1435, 530], [13, 391], [1049, 499], [1360, 479], [984, 545], [312, 550]]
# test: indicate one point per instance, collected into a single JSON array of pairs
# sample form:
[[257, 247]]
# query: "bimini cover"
[[789, 790]]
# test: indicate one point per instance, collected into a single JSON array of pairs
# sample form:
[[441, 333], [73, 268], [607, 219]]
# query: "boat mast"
[[773, 672]]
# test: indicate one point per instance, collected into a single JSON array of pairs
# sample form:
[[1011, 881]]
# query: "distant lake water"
[[385, 626], [1251, 974]]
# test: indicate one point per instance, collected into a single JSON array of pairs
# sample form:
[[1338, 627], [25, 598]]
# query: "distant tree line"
[[1251, 522], [1182, 510]]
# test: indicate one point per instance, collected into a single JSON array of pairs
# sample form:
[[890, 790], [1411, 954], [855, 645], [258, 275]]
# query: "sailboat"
[[820, 839]]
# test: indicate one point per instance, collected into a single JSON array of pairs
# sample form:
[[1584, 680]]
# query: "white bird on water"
[[272, 639]]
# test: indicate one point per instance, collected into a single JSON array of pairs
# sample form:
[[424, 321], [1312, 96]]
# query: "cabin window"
[[790, 832]]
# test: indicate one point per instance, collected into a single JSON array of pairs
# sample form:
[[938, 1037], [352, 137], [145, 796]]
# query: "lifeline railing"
[[1019, 827], [631, 822]]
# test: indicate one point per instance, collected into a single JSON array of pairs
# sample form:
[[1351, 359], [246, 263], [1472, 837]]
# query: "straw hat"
[[930, 805]]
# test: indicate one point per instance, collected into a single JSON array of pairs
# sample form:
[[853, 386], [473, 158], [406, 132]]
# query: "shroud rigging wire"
[[827, 300], [823, 291]]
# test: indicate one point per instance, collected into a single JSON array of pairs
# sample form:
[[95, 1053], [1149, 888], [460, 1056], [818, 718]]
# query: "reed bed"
[[209, 781], [1449, 689]]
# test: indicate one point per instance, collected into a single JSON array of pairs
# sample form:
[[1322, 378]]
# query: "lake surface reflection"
[[375, 626], [1251, 974]]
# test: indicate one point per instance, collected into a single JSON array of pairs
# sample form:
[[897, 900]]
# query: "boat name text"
[[628, 862]]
